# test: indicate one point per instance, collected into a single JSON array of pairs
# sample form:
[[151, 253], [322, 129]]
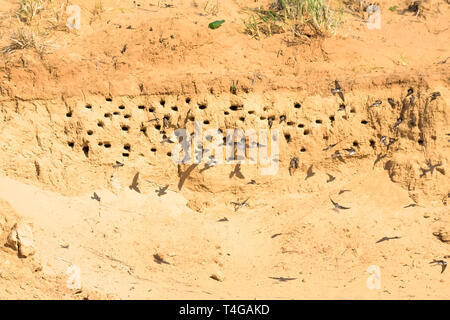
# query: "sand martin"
[[410, 205], [376, 104], [337, 89], [330, 178], [134, 183], [442, 263], [237, 172], [337, 206], [238, 205], [118, 164], [387, 239], [293, 165], [309, 173], [434, 95], [282, 279], [410, 92], [162, 190], [95, 197], [391, 102], [331, 146]]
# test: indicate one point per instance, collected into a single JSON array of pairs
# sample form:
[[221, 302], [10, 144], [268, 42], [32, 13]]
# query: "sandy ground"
[[68, 116]]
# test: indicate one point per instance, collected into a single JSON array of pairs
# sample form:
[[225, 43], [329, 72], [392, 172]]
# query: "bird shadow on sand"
[[185, 175]]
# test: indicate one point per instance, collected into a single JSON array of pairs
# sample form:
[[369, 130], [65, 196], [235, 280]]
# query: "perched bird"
[[155, 119], [309, 173], [410, 92], [238, 205], [162, 190], [95, 197], [293, 165], [337, 155], [341, 107], [387, 239], [337, 206], [391, 102], [391, 142], [166, 122], [351, 151], [397, 123], [434, 95], [330, 178], [337, 89], [383, 139], [134, 183], [270, 122], [165, 139], [118, 164], [411, 100], [282, 119], [376, 104], [442, 263]]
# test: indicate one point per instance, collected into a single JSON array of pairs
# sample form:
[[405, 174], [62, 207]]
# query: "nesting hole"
[[202, 107], [287, 136], [88, 106], [297, 105], [169, 154], [226, 113], [125, 154], [86, 150], [158, 127], [70, 144], [100, 124], [127, 147], [108, 99], [151, 109], [251, 112], [153, 149], [188, 100], [332, 118], [306, 132], [364, 122], [420, 141], [303, 149], [318, 121], [125, 128], [355, 144], [175, 108], [372, 143], [107, 145], [141, 107], [90, 132], [69, 114], [290, 123], [242, 119], [206, 122], [300, 125], [121, 107], [162, 102], [116, 113], [127, 116]]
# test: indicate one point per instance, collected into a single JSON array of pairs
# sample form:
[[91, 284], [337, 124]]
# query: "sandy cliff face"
[[96, 110]]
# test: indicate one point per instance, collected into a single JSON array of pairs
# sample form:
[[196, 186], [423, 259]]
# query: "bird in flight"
[[337, 89], [442, 263], [342, 191], [337, 206], [282, 279], [387, 239], [379, 158], [397, 123], [166, 139], [237, 172], [309, 173], [224, 219], [252, 182], [162, 190], [337, 155], [331, 146], [134, 183], [238, 205], [330, 178], [95, 197], [410, 205], [430, 168], [276, 235]]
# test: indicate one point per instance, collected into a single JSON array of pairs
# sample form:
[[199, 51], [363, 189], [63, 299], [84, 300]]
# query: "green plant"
[[312, 17], [233, 87]]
